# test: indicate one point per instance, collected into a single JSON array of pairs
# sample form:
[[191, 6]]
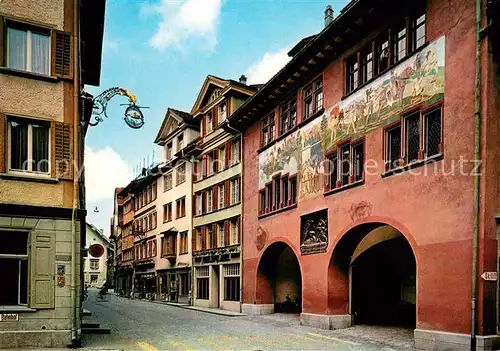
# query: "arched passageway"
[[279, 279], [379, 265]]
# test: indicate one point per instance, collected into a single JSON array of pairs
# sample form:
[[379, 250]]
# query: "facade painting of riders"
[[417, 81]]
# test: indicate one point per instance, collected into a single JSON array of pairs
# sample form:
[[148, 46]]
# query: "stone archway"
[[279, 279], [374, 267]]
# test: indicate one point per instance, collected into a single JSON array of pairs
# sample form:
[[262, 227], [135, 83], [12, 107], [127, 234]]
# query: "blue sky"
[[162, 51]]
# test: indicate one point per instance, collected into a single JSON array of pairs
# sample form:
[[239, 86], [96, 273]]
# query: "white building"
[[95, 266], [174, 204]]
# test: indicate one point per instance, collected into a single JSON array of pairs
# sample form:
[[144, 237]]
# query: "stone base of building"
[[324, 321], [35, 339], [257, 310], [439, 340]]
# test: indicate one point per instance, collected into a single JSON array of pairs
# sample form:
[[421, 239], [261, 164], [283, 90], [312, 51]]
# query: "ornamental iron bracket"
[[133, 115]]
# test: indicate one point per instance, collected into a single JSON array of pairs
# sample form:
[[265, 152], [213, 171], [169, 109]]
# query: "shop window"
[[202, 280], [232, 282], [14, 268]]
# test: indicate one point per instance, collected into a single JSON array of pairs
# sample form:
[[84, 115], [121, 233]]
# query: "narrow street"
[[148, 326]]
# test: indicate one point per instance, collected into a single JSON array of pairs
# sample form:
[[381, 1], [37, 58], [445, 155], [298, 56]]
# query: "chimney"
[[243, 79], [328, 15]]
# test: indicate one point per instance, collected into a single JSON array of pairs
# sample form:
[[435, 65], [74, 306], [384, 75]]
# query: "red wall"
[[434, 212]]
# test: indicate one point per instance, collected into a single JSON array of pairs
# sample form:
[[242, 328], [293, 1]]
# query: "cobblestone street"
[[148, 326]]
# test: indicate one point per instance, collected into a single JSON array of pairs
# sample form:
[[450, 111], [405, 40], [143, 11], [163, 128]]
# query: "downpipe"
[[75, 305], [477, 158]]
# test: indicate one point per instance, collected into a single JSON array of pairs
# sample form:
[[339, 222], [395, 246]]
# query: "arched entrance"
[[279, 279], [380, 268]]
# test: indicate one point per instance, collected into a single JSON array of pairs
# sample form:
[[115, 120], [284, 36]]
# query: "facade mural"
[[418, 80], [282, 158]]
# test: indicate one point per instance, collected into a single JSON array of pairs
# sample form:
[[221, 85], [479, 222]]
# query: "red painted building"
[[360, 203]]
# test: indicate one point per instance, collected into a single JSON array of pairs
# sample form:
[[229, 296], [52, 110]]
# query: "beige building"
[[41, 151], [217, 195], [95, 267], [173, 264]]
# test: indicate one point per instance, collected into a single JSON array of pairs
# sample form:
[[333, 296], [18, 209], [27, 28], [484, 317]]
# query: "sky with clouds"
[[162, 50]]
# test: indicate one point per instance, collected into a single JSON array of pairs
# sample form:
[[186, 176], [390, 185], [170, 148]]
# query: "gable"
[[170, 123], [210, 86]]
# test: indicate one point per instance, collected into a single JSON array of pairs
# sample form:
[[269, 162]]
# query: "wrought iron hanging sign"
[[133, 114]]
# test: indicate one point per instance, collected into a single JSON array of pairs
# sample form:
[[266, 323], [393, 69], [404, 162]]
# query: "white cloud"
[[263, 70], [104, 171], [184, 20], [110, 45]]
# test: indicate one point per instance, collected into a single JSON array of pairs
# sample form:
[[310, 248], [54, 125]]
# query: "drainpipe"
[[477, 158], [241, 215]]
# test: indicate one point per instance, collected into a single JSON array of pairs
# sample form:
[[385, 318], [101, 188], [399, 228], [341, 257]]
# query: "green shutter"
[[43, 247]]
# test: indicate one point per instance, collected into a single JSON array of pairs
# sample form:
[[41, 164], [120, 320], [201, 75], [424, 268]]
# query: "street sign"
[[9, 317], [490, 276]]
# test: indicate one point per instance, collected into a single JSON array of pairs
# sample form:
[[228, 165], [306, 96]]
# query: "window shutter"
[[239, 229], [2, 36], [42, 283], [62, 150], [3, 133], [62, 62], [226, 194], [227, 233], [215, 197], [203, 238], [203, 125], [214, 118], [228, 154], [213, 244], [194, 234]]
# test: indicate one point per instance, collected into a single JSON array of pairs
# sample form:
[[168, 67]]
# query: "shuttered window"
[[61, 52], [35, 49], [63, 150]]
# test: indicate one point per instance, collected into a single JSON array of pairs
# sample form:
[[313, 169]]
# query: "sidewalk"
[[194, 308]]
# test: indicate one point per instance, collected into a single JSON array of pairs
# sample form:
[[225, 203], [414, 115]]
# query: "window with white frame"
[[235, 231], [235, 191], [14, 268], [221, 235], [199, 202], [221, 196], [210, 200], [235, 152], [222, 112], [29, 145], [28, 48], [94, 264]]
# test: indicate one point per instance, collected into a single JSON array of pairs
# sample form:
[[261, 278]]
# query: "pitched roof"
[[179, 115]]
